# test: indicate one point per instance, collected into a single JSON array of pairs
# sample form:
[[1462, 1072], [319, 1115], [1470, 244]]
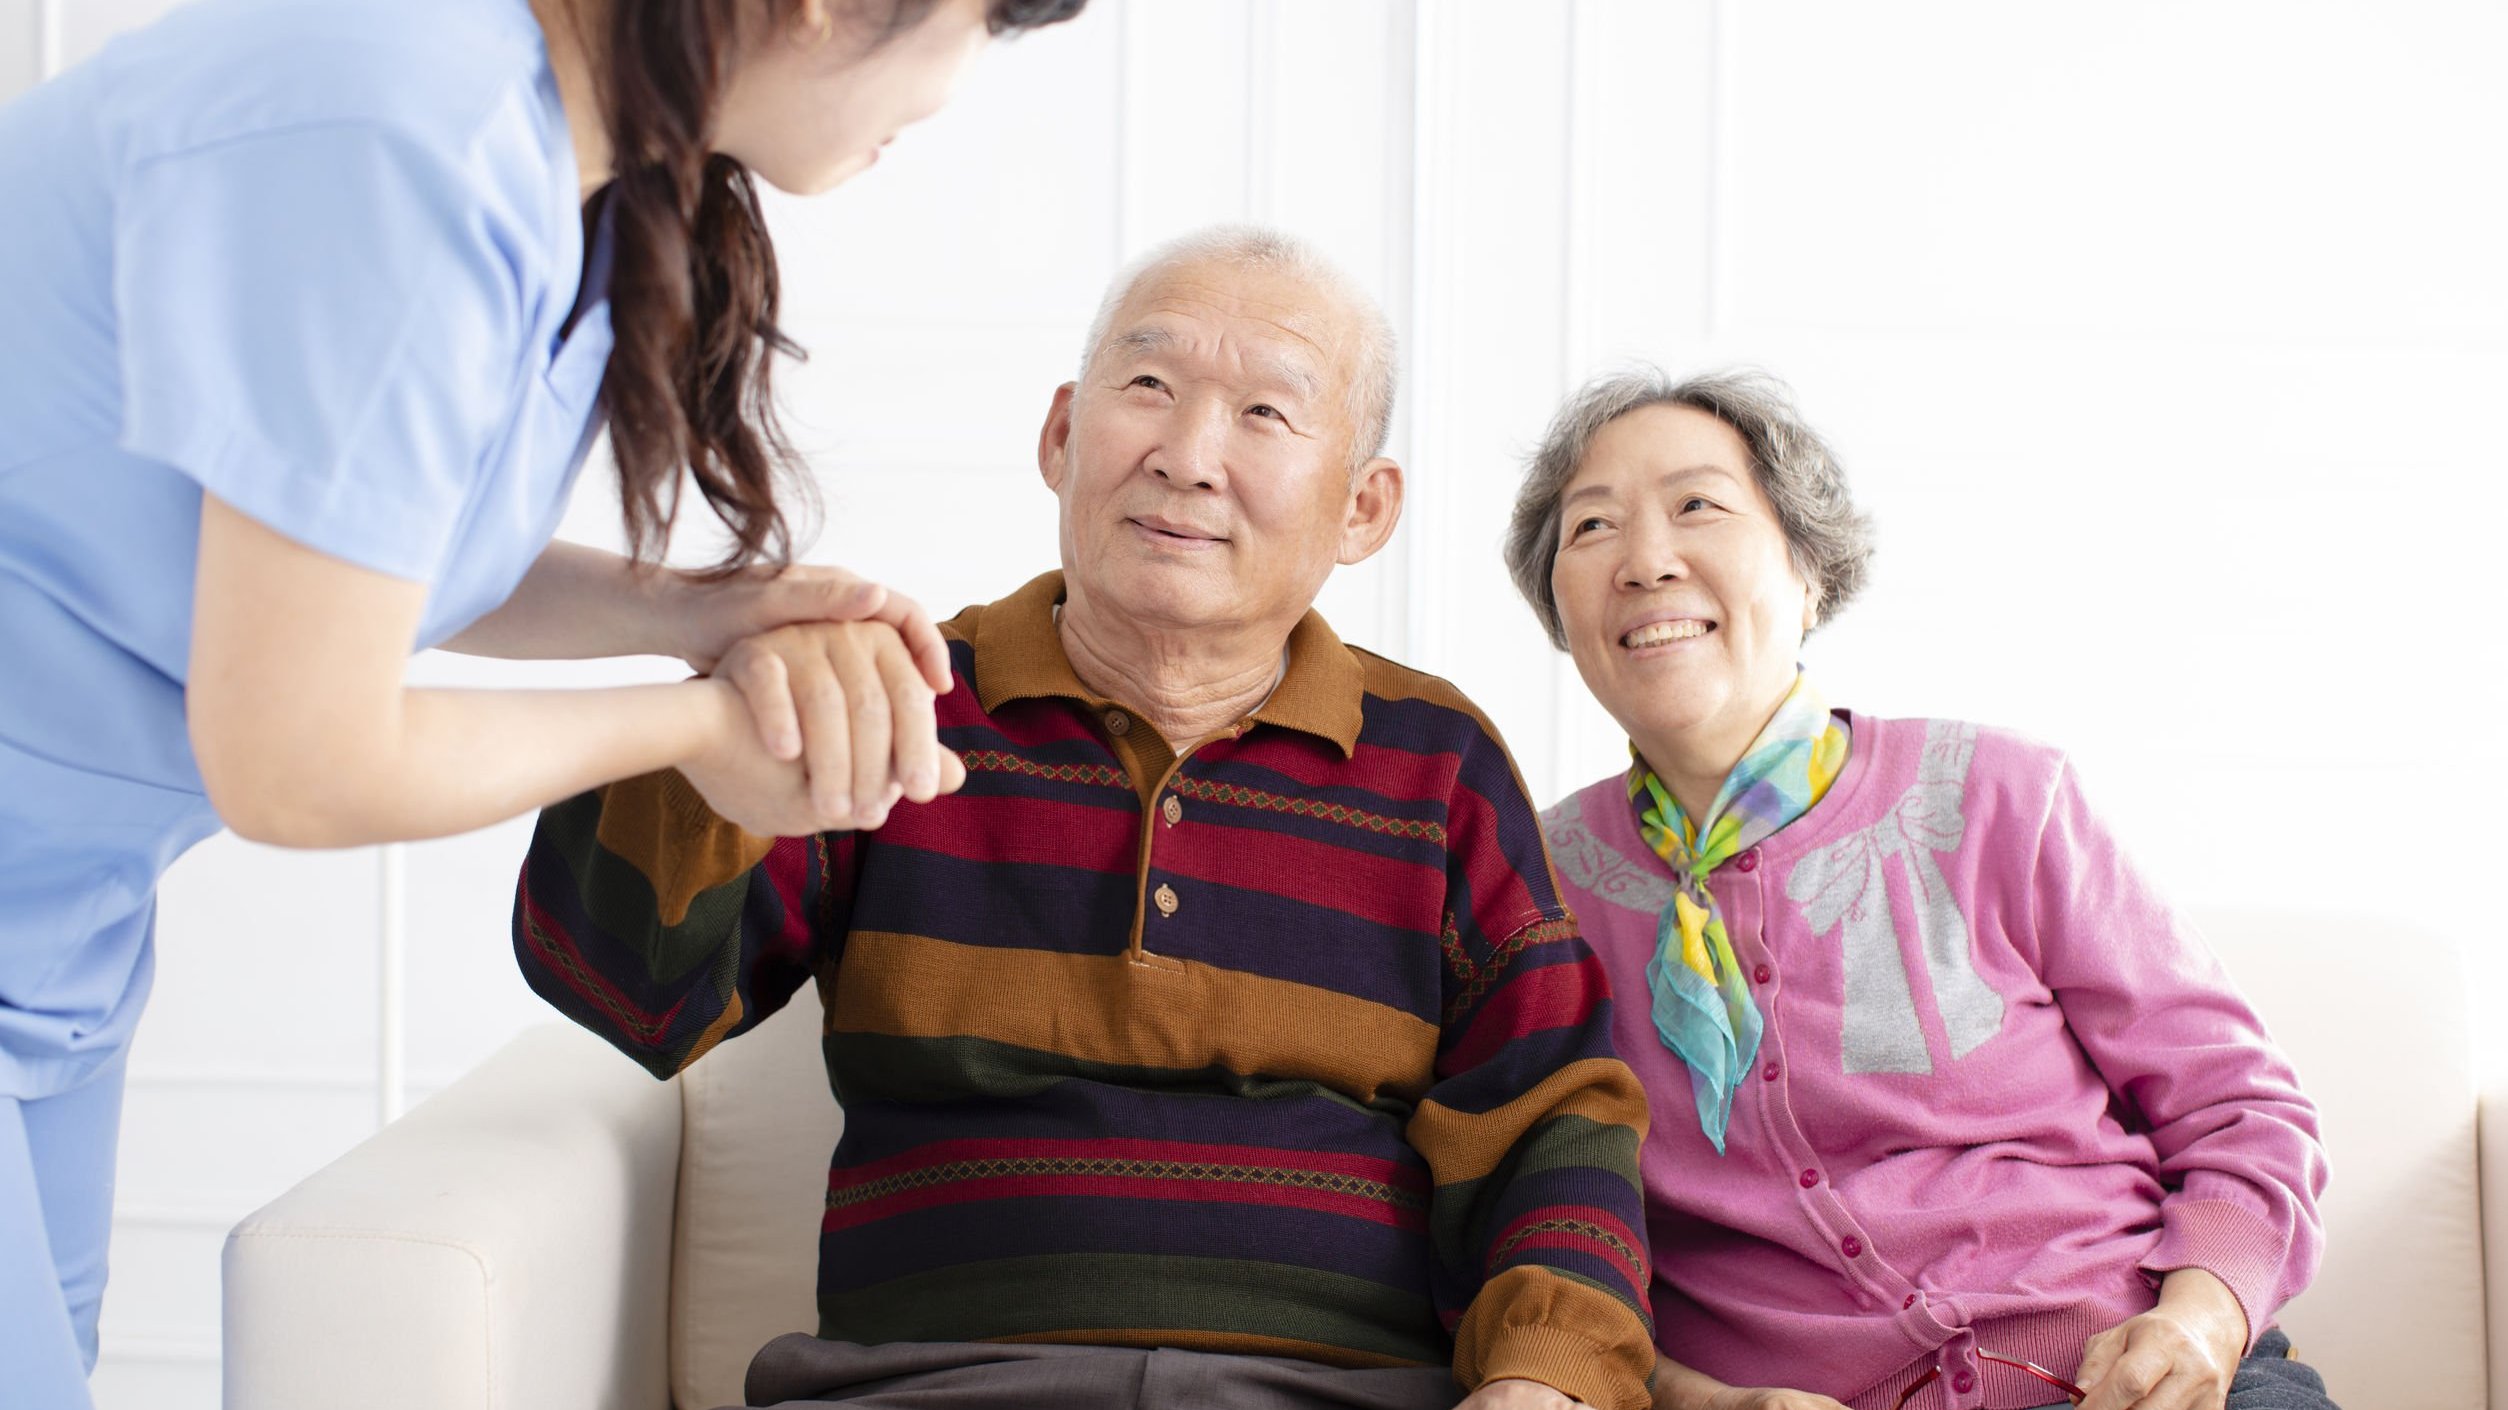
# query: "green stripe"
[[1082, 1292], [883, 1068], [1458, 1220]]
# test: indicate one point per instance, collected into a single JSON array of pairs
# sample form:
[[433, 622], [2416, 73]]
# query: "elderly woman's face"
[[1679, 599]]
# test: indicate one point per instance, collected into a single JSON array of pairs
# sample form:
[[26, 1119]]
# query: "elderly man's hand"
[[1512, 1394], [2179, 1355], [853, 697]]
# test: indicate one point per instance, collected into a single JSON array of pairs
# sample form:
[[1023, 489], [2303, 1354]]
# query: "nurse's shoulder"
[[464, 79]]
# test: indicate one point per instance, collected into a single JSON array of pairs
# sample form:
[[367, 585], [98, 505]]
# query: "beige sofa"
[[558, 1230]]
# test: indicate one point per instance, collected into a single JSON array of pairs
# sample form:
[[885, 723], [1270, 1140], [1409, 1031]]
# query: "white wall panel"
[[2230, 167]]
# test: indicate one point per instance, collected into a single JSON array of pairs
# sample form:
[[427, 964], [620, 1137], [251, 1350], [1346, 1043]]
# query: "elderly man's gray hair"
[[1829, 539], [1259, 247]]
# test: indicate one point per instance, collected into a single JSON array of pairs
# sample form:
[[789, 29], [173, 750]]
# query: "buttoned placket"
[[1156, 899], [1740, 888]]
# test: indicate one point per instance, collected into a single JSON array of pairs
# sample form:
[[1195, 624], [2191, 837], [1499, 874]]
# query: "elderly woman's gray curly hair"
[[1829, 539]]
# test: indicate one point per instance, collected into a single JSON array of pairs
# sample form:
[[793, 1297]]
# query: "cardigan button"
[[1747, 862], [1851, 1246], [1963, 1382], [1770, 1073], [1763, 974], [1810, 1178], [1910, 1302]]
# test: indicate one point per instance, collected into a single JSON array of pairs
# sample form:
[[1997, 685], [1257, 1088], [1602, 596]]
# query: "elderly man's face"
[[1203, 463]]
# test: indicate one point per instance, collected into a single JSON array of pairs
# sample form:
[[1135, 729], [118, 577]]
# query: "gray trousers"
[[799, 1371]]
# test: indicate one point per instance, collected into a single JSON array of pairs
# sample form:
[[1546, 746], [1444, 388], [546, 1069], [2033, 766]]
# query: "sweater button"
[[1747, 862], [1118, 723], [1851, 1246], [1963, 1381], [1763, 974], [1165, 896], [1810, 1178], [1172, 810]]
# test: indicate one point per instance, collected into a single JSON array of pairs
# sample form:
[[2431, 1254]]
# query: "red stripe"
[[1534, 1001], [1364, 1167], [1592, 1214], [1418, 783], [1384, 890], [1122, 1187], [1010, 828]]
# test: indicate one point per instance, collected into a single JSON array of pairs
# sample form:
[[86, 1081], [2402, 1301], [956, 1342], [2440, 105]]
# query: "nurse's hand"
[[848, 699], [708, 619]]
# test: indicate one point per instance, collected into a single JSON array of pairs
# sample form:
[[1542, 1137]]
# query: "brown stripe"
[[1176, 1014], [1463, 1146], [1233, 1343], [661, 826]]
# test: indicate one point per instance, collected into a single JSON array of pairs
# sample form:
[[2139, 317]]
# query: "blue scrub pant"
[[56, 1211]]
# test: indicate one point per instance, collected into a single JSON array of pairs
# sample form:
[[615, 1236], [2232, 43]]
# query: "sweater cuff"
[[1535, 1325], [2232, 1243]]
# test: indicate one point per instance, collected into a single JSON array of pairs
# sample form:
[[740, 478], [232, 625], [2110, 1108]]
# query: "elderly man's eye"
[[1259, 409], [1146, 380]]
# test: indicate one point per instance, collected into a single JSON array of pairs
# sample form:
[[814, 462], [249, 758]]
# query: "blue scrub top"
[[323, 258]]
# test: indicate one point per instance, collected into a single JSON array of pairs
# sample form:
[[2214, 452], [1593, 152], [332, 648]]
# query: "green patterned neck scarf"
[[1702, 1003]]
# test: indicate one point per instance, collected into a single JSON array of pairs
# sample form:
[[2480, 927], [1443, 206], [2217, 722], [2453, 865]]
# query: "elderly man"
[[1222, 1041]]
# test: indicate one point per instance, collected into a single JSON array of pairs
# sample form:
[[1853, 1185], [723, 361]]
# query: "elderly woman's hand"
[[2179, 1355], [853, 699]]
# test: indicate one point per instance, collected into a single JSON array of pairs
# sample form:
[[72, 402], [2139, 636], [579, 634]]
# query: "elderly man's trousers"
[[800, 1372]]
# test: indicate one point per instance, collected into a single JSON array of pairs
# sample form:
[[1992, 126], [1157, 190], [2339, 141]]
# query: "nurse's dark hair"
[[694, 295]]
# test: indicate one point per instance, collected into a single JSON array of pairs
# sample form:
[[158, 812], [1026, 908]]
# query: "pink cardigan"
[[2003, 1085]]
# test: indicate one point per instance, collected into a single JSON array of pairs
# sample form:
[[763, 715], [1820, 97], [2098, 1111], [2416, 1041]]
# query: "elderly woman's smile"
[[1676, 590]]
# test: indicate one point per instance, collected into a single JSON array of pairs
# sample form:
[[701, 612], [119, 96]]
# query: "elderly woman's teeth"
[[1657, 633]]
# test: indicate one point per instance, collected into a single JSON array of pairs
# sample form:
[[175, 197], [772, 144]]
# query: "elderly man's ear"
[[1375, 507], [1056, 437]]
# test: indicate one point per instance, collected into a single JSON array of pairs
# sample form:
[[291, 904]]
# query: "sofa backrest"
[[2373, 1016]]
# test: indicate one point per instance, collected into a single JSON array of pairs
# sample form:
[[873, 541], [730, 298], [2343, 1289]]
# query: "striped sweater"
[[1285, 1047]]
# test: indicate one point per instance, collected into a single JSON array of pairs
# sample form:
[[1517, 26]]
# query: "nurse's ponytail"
[[694, 292]]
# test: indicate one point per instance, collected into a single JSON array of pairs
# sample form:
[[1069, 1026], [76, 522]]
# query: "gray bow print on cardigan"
[[1844, 886]]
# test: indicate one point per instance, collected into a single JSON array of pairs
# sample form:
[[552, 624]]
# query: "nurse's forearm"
[[579, 602], [462, 759]]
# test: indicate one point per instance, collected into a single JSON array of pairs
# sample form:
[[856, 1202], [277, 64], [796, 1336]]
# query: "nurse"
[[310, 311]]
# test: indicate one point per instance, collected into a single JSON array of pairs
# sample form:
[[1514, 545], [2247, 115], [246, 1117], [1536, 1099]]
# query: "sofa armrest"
[[505, 1245]]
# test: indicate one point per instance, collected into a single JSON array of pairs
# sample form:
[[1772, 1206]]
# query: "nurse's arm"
[[578, 602], [306, 736]]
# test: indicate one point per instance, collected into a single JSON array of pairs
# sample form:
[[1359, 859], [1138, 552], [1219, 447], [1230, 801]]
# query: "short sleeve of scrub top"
[[321, 326], [322, 261]]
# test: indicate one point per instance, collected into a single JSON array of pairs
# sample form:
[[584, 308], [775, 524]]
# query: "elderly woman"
[[1944, 1095]]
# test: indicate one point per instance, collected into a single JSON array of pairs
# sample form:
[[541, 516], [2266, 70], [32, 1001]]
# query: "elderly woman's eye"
[[1590, 521], [1696, 502]]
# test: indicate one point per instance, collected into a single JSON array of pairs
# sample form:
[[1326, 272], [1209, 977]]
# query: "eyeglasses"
[[2072, 1392]]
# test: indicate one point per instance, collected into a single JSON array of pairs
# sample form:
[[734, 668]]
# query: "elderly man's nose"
[[1191, 456]]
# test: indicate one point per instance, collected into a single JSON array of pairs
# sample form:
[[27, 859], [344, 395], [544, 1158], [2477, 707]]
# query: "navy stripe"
[[977, 1229], [1082, 1109], [1027, 906]]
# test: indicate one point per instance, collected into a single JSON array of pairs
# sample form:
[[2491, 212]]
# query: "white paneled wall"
[[2163, 337]]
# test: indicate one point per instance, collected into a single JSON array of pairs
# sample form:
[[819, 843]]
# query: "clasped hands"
[[823, 688]]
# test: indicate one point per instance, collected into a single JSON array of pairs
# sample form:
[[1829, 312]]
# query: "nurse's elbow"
[[269, 795]]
